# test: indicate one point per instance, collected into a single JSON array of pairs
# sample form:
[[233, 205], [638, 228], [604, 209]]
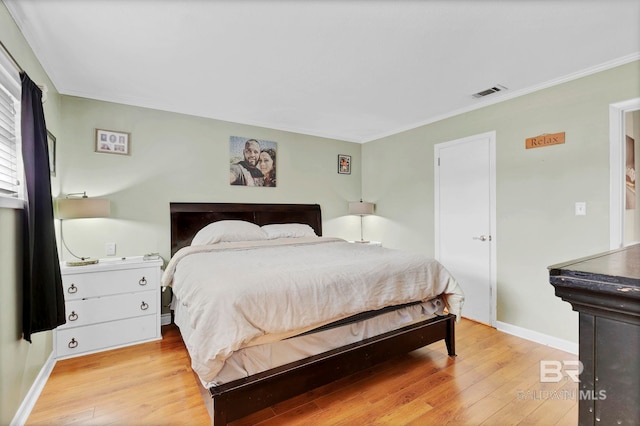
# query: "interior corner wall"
[[20, 362], [536, 189]]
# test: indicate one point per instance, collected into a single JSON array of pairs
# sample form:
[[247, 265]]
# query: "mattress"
[[255, 359], [251, 293]]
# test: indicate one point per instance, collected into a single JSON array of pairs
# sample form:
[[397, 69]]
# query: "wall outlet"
[[110, 248], [581, 208]]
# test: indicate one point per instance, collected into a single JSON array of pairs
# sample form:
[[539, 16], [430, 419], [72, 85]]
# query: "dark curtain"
[[42, 294]]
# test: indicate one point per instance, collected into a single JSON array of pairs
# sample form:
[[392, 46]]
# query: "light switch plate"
[[581, 208]]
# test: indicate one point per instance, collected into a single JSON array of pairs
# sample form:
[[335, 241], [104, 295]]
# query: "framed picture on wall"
[[344, 164], [51, 146], [252, 162], [113, 142]]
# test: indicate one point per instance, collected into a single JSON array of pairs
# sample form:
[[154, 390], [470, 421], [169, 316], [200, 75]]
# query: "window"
[[11, 171]]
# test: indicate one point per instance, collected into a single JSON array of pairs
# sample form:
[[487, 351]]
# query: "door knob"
[[483, 238]]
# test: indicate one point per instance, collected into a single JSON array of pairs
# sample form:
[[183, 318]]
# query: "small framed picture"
[[344, 164], [113, 142], [51, 146]]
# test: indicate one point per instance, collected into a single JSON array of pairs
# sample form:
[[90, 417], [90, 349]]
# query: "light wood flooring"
[[494, 380]]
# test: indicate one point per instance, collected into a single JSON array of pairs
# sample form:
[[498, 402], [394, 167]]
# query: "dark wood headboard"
[[188, 218]]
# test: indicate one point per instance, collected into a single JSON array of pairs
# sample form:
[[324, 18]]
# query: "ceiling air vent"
[[494, 89]]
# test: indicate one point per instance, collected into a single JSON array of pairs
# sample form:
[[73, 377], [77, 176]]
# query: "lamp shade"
[[361, 208], [77, 208]]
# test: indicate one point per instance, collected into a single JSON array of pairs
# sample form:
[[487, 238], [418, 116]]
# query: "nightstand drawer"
[[75, 341], [108, 308], [93, 284]]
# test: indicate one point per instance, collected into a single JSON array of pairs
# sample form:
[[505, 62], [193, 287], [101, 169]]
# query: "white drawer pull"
[[144, 306], [73, 316], [72, 289], [73, 343], [143, 281]]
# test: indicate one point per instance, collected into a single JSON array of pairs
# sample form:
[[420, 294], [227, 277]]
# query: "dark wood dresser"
[[605, 290]]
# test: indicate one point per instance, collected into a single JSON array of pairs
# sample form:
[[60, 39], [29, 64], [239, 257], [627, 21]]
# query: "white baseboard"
[[32, 396], [165, 319], [534, 336]]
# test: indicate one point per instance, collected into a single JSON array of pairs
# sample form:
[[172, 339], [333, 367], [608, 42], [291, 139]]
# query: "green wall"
[[536, 189], [180, 158]]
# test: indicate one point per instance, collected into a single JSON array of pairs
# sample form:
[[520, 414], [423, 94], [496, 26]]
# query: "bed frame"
[[241, 397]]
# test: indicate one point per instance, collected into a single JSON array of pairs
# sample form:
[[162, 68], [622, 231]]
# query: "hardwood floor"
[[494, 380]]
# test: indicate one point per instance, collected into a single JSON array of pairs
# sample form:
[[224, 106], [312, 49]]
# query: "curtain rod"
[[17, 65], [43, 87]]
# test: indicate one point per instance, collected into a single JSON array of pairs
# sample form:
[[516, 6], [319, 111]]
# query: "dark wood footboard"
[[241, 397]]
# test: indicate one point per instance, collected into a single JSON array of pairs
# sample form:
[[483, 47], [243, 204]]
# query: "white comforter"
[[249, 293]]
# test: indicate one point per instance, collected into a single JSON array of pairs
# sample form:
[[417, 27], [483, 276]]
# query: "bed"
[[305, 356]]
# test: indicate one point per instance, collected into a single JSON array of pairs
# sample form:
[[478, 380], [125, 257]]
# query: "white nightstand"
[[369, 243], [108, 305]]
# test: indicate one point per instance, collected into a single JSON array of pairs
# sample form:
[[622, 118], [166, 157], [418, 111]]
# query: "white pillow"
[[288, 230], [228, 230]]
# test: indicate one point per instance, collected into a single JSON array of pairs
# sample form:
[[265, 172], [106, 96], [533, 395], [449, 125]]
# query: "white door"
[[465, 220]]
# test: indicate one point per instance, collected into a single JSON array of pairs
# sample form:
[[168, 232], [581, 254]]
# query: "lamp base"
[[82, 262], [362, 242]]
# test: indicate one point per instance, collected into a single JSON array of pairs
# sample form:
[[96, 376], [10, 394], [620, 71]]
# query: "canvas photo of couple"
[[252, 162]]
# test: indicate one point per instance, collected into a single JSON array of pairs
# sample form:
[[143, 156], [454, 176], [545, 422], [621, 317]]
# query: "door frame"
[[492, 206], [617, 112]]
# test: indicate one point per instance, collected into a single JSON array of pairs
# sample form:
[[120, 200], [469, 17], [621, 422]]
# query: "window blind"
[[10, 155], [9, 182]]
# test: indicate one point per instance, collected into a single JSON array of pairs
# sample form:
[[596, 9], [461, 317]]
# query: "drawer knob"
[[73, 316], [144, 306], [72, 289], [73, 343], [143, 281]]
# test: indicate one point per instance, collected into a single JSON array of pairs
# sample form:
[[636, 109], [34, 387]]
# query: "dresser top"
[[616, 267]]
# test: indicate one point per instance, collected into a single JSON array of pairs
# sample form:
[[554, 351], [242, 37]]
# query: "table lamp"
[[361, 208], [79, 206]]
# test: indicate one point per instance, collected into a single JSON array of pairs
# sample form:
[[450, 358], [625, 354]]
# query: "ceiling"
[[354, 70]]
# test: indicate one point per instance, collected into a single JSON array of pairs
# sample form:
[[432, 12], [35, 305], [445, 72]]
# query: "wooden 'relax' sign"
[[545, 140]]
